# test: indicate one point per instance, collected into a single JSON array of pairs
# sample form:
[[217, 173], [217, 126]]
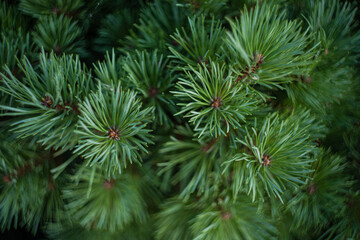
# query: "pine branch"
[[149, 75], [30, 196], [59, 34], [113, 29], [334, 26], [198, 162], [157, 21], [38, 8], [211, 102], [229, 220], [203, 44], [275, 156], [321, 89], [269, 55], [11, 19], [111, 204], [222, 218], [110, 71], [325, 193], [174, 220], [48, 99], [347, 225], [112, 129]]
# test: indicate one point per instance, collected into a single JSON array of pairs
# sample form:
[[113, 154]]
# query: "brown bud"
[[153, 91], [57, 49], [114, 134], [108, 184], [47, 101], [226, 215], [6, 179], [216, 103], [311, 189], [266, 161]]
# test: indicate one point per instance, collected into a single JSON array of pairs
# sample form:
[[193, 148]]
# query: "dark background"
[[20, 234]]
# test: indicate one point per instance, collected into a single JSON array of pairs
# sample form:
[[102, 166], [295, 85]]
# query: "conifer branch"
[[148, 74], [211, 102], [269, 55], [48, 99], [275, 156], [112, 129]]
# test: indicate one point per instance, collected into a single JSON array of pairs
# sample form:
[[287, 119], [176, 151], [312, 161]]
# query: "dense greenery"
[[180, 119]]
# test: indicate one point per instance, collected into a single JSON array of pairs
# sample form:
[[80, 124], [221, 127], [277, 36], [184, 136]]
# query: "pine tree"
[[174, 119]]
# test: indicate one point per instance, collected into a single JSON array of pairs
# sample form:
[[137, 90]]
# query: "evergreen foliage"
[[174, 119], [147, 74], [60, 34], [114, 135], [210, 100], [93, 212], [47, 98], [272, 155]]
